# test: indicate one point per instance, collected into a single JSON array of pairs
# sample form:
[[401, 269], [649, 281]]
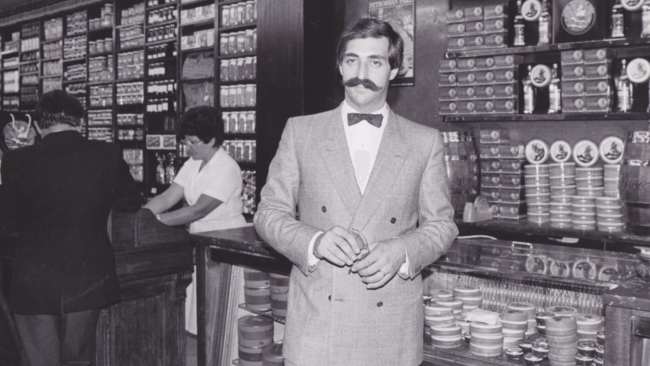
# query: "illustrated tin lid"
[[561, 151], [531, 10], [537, 151], [611, 149], [273, 352], [632, 5], [585, 153], [540, 75], [638, 70]]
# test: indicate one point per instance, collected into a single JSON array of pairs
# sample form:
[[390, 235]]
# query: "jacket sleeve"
[[437, 230], [275, 219], [9, 196], [127, 195]]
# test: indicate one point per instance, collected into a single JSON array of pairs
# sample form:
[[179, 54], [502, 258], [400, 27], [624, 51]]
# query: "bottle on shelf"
[[624, 89], [545, 28], [618, 23], [170, 170], [554, 93], [646, 21], [529, 93], [520, 28], [160, 169]]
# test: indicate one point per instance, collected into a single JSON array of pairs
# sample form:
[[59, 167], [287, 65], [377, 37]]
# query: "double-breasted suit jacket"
[[332, 318]]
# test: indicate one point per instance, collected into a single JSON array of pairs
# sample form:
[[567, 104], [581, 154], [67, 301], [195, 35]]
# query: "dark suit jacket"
[[58, 194]]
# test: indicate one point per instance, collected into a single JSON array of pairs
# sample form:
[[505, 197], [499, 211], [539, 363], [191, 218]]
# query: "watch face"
[[578, 16]]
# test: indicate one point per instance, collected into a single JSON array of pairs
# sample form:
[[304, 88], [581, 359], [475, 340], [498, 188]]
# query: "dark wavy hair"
[[58, 107], [202, 122], [372, 28]]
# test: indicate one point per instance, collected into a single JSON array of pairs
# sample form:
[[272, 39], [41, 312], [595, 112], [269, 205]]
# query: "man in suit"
[[57, 195], [373, 178]]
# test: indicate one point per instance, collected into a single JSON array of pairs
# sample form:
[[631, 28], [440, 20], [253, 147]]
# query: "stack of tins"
[[612, 180], [272, 355], [529, 309], [562, 337], [438, 317], [471, 297], [461, 161], [589, 326], [600, 348], [563, 186], [279, 294], [515, 324], [487, 340], [635, 181], [586, 352], [257, 290], [541, 319], [538, 192], [255, 332], [609, 214], [590, 185]]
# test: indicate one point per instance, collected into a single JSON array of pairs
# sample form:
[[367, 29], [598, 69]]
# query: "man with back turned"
[[57, 195], [359, 174]]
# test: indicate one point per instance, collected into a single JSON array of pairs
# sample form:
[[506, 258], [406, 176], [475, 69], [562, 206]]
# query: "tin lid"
[[537, 151], [560, 153], [611, 149], [254, 323], [585, 153]]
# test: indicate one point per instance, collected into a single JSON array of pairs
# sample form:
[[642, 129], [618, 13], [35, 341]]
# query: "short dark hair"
[[202, 122], [58, 107], [372, 28]]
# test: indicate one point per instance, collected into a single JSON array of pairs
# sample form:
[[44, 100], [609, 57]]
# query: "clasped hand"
[[340, 247]]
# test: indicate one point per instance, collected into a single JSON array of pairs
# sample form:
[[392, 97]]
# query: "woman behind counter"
[[211, 183]]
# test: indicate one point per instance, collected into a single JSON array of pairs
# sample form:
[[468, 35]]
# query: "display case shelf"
[[197, 80], [162, 24], [198, 49], [100, 54], [51, 40], [101, 82], [128, 25], [156, 43], [198, 23], [195, 3], [237, 55], [160, 6], [230, 2], [3, 53], [100, 29], [238, 27], [131, 48], [162, 59], [65, 82], [546, 117], [76, 59], [29, 62], [268, 313], [238, 82], [549, 48]]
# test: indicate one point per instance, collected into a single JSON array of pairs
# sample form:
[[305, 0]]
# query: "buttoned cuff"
[[404, 268], [312, 260]]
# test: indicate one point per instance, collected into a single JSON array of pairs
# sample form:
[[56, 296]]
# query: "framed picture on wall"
[[400, 14]]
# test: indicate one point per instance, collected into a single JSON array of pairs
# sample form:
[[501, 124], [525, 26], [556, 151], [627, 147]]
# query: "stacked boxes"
[[477, 27], [471, 298], [487, 340], [562, 337], [538, 192], [609, 214], [485, 85], [529, 309], [501, 174], [588, 328], [586, 80], [583, 213]]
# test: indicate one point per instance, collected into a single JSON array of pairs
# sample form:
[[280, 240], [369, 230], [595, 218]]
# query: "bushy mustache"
[[367, 83]]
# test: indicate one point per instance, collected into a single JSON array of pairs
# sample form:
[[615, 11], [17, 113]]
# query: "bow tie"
[[373, 119]]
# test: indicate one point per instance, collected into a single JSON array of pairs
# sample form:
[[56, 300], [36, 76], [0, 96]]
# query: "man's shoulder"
[[315, 118]]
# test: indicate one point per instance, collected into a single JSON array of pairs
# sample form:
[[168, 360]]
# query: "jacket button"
[[324, 209], [380, 304], [329, 298], [393, 220]]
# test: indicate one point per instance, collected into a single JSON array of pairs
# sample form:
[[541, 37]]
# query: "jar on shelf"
[[240, 69], [240, 100], [241, 42], [248, 40], [232, 69]]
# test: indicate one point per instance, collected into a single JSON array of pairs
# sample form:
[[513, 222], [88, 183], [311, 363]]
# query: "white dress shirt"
[[363, 145]]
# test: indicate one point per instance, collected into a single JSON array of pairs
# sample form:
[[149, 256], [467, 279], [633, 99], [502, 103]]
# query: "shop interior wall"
[[419, 103]]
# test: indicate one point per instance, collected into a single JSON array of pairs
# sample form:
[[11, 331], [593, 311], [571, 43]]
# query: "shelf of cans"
[[243, 151], [76, 89], [160, 105], [29, 69], [237, 14], [30, 44], [161, 142], [103, 117], [10, 81], [135, 159], [238, 96], [74, 47], [10, 102], [100, 134], [130, 119], [130, 65], [76, 23], [10, 62], [157, 69], [153, 3], [53, 29], [101, 95], [100, 69], [162, 15], [239, 122], [76, 71], [100, 46], [29, 56], [477, 27], [130, 93], [162, 51], [133, 15], [233, 43], [199, 39], [162, 33], [131, 37], [53, 68], [130, 134], [53, 50], [238, 69], [105, 19], [50, 84], [197, 14]]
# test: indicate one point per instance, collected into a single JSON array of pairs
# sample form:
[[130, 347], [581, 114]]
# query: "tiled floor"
[[190, 350]]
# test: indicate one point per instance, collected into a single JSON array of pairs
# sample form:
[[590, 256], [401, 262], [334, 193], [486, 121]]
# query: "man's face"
[[366, 73]]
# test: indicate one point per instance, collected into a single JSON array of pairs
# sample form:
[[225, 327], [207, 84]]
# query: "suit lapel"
[[335, 153], [393, 150]]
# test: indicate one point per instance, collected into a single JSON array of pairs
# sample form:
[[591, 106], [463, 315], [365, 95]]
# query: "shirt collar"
[[346, 108]]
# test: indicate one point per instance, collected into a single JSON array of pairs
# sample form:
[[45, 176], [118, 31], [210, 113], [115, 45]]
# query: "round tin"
[[603, 202], [542, 316], [563, 191], [514, 353], [585, 153], [587, 348], [589, 172], [536, 179], [560, 153], [539, 218], [538, 198], [611, 228], [612, 147], [561, 199], [609, 219], [560, 207], [537, 189], [536, 169], [532, 360], [583, 209], [584, 360], [514, 325], [466, 292], [560, 223], [613, 194], [538, 208], [589, 182], [591, 191], [583, 200], [537, 152], [566, 168], [600, 338], [612, 170], [583, 225], [561, 313], [562, 180]]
